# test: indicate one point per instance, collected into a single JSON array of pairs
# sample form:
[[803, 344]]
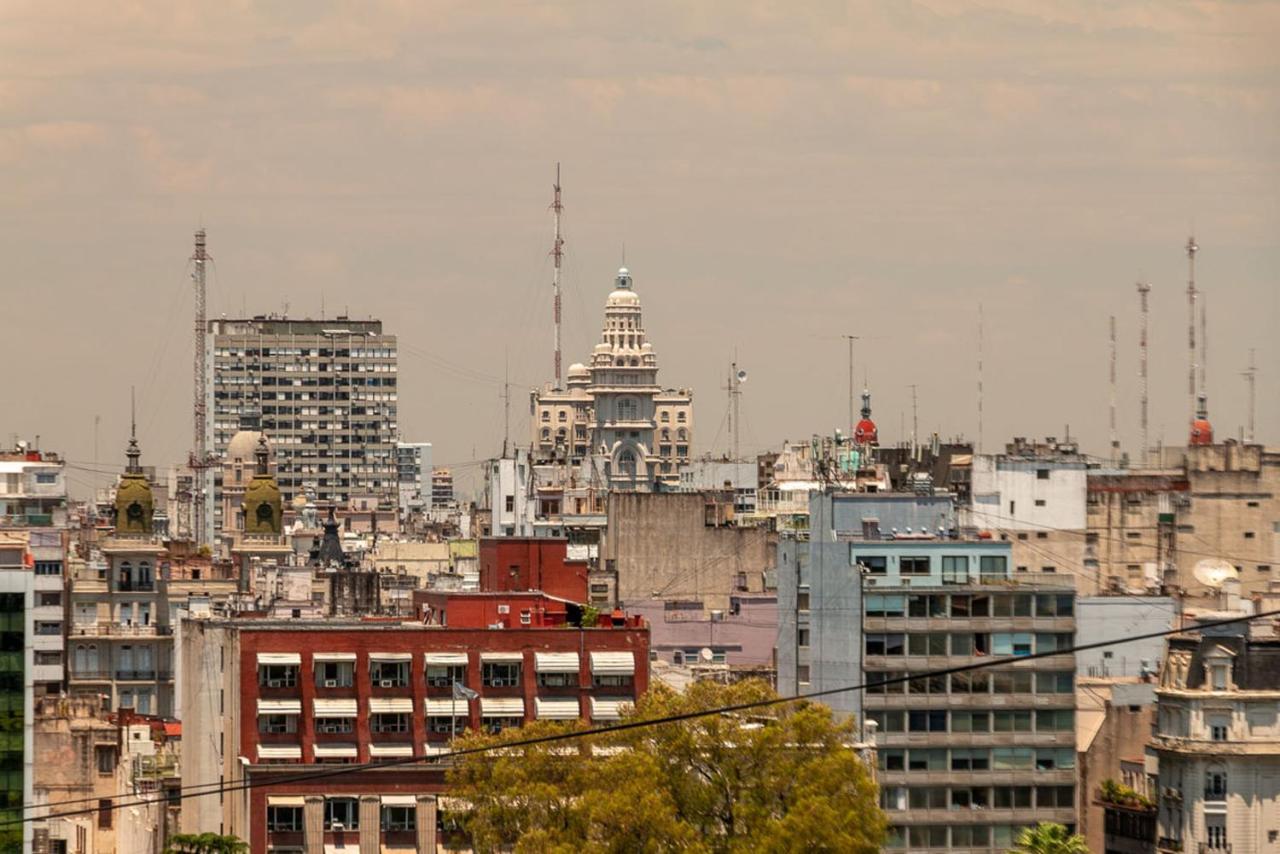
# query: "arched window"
[[680, 416], [546, 416], [682, 435], [1215, 783], [666, 435], [546, 434], [626, 409], [562, 416], [627, 463], [635, 363], [620, 361], [665, 417]]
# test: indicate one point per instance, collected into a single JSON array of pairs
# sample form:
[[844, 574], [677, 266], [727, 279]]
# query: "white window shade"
[[317, 657], [502, 656], [556, 662], [344, 708], [293, 658], [390, 705], [279, 751], [391, 656], [501, 707], [608, 708], [447, 708], [613, 663], [286, 801], [556, 708], [452, 659], [400, 800], [377, 750], [279, 707], [336, 751]]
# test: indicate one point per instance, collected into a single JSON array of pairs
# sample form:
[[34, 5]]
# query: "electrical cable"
[[323, 773]]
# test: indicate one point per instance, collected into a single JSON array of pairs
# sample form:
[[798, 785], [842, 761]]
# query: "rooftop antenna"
[[557, 254], [1115, 442], [736, 378], [506, 401], [979, 448], [1143, 290], [1192, 248], [1204, 349], [852, 422], [1251, 377], [915, 422], [200, 459]]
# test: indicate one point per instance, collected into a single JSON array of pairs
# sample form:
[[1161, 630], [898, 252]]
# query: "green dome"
[[263, 510], [135, 504]]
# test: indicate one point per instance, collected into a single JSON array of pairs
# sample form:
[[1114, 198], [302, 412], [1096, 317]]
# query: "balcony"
[[143, 675], [1165, 844], [1215, 848], [135, 586], [149, 630]]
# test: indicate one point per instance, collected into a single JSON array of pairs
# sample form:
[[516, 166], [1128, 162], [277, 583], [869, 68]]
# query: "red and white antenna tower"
[[557, 254], [200, 459], [1143, 290]]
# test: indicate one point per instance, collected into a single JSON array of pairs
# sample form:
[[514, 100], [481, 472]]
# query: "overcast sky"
[[780, 174]]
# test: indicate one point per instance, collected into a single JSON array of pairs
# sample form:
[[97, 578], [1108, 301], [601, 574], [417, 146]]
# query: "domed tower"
[[263, 508], [135, 505], [865, 433], [1201, 429]]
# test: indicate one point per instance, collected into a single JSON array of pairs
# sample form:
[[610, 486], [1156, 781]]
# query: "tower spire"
[[133, 453], [557, 254], [1115, 442], [1193, 368]]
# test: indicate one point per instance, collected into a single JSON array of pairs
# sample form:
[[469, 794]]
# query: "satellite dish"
[[706, 654], [742, 376], [1214, 572]]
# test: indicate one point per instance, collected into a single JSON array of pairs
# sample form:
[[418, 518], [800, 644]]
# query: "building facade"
[[1217, 740], [324, 390], [275, 697], [966, 760], [17, 693], [413, 476], [613, 410]]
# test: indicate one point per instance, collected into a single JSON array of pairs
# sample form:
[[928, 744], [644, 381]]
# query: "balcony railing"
[[143, 675], [1215, 848], [1212, 794], [1164, 843], [119, 630], [125, 585]]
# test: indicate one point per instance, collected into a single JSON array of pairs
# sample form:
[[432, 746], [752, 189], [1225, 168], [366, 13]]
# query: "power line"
[[241, 784]]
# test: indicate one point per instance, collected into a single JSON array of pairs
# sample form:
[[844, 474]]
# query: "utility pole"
[[557, 254], [1251, 377], [1143, 290], [852, 422], [1115, 442]]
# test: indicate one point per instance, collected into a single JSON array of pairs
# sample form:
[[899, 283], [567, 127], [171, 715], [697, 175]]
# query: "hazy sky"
[[781, 174]]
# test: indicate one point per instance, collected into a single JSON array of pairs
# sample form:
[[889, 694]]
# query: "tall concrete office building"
[[325, 393]]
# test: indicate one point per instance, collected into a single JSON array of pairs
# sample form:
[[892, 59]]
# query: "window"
[[886, 644], [1011, 605], [872, 564], [558, 680], [389, 723], [993, 566], [970, 759], [49, 599], [341, 814], [1011, 681], [1218, 728], [1011, 720], [1055, 682], [927, 759], [1042, 474], [802, 637], [444, 675], [389, 674], [500, 674], [962, 644], [511, 503], [913, 565], [892, 759], [446, 725], [1215, 786], [876, 682], [335, 726], [802, 600], [1055, 758], [927, 797], [104, 814], [1055, 720], [335, 674], [1011, 797], [1011, 643], [927, 644], [970, 721], [276, 724], [927, 721], [48, 567], [400, 818], [1012, 758], [619, 680], [1053, 641], [887, 721], [1215, 834], [971, 683], [802, 673], [1039, 502], [284, 819], [1248, 535], [926, 605], [955, 569], [882, 604], [1055, 796], [278, 675], [105, 758], [497, 725]]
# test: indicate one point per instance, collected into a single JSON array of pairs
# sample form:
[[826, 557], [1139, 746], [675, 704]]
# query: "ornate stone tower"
[[135, 505], [263, 509]]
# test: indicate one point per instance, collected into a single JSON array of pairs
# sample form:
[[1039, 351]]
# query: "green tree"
[[204, 843], [1049, 838], [718, 784]]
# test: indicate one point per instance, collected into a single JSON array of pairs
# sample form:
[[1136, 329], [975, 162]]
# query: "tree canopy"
[[757, 781], [1049, 838], [204, 843]]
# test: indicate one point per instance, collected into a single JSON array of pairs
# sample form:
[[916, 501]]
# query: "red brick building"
[[532, 563], [266, 699]]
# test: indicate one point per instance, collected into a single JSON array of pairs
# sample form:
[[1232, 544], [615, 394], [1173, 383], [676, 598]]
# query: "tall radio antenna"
[[1115, 442], [979, 448], [557, 254], [200, 459], [1143, 290], [1251, 377], [1192, 248]]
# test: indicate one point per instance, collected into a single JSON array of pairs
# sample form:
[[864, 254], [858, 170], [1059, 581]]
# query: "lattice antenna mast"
[[200, 459], [1251, 377], [1143, 290], [979, 448], [1115, 441], [852, 421], [1193, 369], [557, 255]]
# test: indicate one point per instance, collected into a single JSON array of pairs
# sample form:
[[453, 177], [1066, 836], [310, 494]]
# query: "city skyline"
[[1036, 160]]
